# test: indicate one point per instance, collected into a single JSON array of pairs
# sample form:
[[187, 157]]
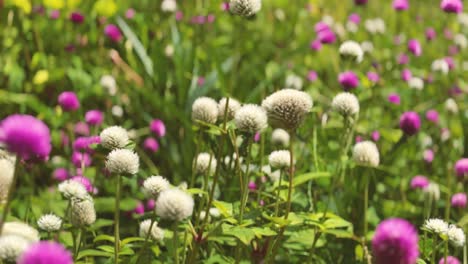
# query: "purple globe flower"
[[252, 186], [349, 80], [84, 143], [81, 129], [94, 117], [394, 98], [26, 136], [375, 135], [459, 200], [130, 13], [419, 182], [312, 76], [321, 26], [354, 18], [54, 14], [46, 252], [451, 6], [76, 17], [400, 5], [140, 208], [414, 47], [450, 260], [61, 174], [150, 204], [373, 77], [406, 75], [326, 37], [461, 168], [316, 45], [410, 123], [360, 2], [113, 32], [395, 242], [256, 137], [151, 144], [157, 127], [68, 101], [428, 155], [430, 34], [403, 59], [450, 62], [432, 116], [85, 181], [79, 158]]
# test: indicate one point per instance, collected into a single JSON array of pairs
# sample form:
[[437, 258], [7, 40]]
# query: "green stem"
[[278, 194], [176, 243], [245, 190], [366, 205], [145, 244], [446, 251], [117, 220], [291, 174], [78, 239], [11, 190], [434, 249]]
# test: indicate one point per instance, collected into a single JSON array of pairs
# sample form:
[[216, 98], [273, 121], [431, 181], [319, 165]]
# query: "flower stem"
[[278, 194], [291, 174], [117, 220], [176, 243], [366, 205], [11, 190], [145, 244], [245, 190]]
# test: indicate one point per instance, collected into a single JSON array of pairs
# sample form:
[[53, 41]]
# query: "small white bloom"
[[174, 204], [154, 185], [12, 247], [280, 159], [214, 212], [109, 83], [460, 40], [463, 19], [117, 110], [20, 229], [416, 83], [351, 49], [7, 169], [245, 8], [72, 189], [156, 234], [340, 30], [456, 236], [49, 223], [451, 106], [294, 81], [205, 163], [169, 50], [279, 14], [233, 106], [273, 175], [351, 27], [375, 26], [169, 6], [367, 46], [329, 20], [205, 109], [346, 104], [436, 225], [433, 191], [114, 137], [82, 212], [366, 153], [280, 137], [440, 65], [251, 118], [123, 161]]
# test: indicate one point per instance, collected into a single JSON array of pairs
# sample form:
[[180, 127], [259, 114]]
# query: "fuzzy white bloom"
[[451, 106], [12, 247], [456, 236], [436, 225], [214, 212], [351, 49], [154, 185], [72, 189], [169, 50], [433, 191], [279, 14], [351, 27], [346, 104], [440, 65], [174, 204], [251, 118], [233, 106], [20, 229], [169, 6], [287, 108], [114, 137], [294, 81], [245, 8], [123, 161], [366, 153], [280, 159], [375, 26], [82, 212], [273, 175], [49, 223], [109, 83], [460, 40], [463, 19], [416, 83], [329, 20], [426, 141], [205, 109], [117, 111], [7, 169], [367, 46], [280, 137], [156, 234], [205, 163]]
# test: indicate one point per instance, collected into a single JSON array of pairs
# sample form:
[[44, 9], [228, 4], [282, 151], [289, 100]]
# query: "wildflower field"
[[236, 131]]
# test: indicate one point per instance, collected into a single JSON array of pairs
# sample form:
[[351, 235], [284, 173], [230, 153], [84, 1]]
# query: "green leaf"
[[224, 208], [104, 238], [130, 240], [93, 253], [245, 235], [301, 179]]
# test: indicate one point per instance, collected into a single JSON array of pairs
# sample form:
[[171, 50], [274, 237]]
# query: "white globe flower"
[[367, 46], [436, 225], [245, 8], [205, 109], [456, 236], [205, 163], [294, 82], [365, 153], [156, 233], [72, 189], [280, 159], [280, 137], [346, 104], [169, 6], [251, 118], [451, 106], [109, 83], [7, 169], [440, 65], [49, 223], [123, 162], [20, 229], [174, 204], [416, 83], [460, 40], [433, 191], [154, 185], [114, 137], [12, 247], [233, 106], [82, 212], [351, 49]]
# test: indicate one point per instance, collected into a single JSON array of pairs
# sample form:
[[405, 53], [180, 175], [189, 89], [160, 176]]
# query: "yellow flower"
[[105, 8], [24, 5], [55, 4], [73, 3], [41, 77]]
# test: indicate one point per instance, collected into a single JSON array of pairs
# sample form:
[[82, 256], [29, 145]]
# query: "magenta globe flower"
[[419, 182], [46, 252], [252, 186], [395, 242], [406, 75], [451, 6], [400, 5], [94, 117], [414, 47], [450, 62], [157, 127], [26, 136], [60, 174], [410, 123], [151, 144], [85, 181], [375, 135], [113, 32], [130, 13], [450, 260], [373, 77], [326, 37], [54, 14], [354, 18], [316, 45], [461, 168], [432, 116], [68, 101], [403, 59], [85, 143], [394, 98], [81, 129], [76, 17], [139, 209], [430, 34], [80, 159], [150, 204], [349, 80], [458, 200], [428, 155], [321, 26], [360, 2], [312, 76]]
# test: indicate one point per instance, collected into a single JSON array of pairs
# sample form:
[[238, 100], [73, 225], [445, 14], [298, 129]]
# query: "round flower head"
[[77, 17], [82, 212], [20, 229], [346, 104], [450, 260], [49, 223], [68, 101], [414, 47], [406, 75], [410, 123], [419, 182], [156, 233], [7, 169], [85, 181], [123, 161], [460, 40], [151, 144], [114, 137], [205, 109], [26, 136], [436, 225], [233, 106], [395, 241], [109, 83], [287, 108], [280, 137], [432, 116], [280, 159], [348, 80], [416, 83], [451, 6], [352, 50], [251, 118], [461, 168], [157, 126], [451, 106], [46, 252], [365, 153], [174, 204], [94, 117], [456, 236], [459, 200], [169, 6], [430, 33], [154, 185], [440, 66], [72, 189], [294, 82], [400, 5], [245, 8], [203, 164], [12, 247], [113, 32]]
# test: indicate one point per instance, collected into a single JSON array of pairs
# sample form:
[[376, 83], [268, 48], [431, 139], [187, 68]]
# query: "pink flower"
[[349, 80], [85, 181], [451, 6], [406, 75], [430, 34], [410, 123], [400, 5], [139, 209], [414, 47], [157, 127], [113, 32], [419, 182], [179, 15], [450, 62], [150, 204], [312, 76], [354, 18], [461, 168], [316, 45], [403, 59], [373, 77], [130, 13], [459, 200], [394, 98], [68, 101], [81, 129], [257, 137], [375, 136], [76, 17], [326, 37], [358, 139], [252, 186], [428, 155], [54, 14], [94, 117], [61, 174], [151, 144], [432, 116]]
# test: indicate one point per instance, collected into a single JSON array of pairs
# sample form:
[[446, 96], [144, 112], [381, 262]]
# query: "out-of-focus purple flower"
[[428, 155], [252, 186], [373, 77], [85, 181], [81, 157], [130, 13], [429, 78], [450, 62], [81, 129], [375, 135], [256, 137], [402, 59], [139, 209], [84, 143], [395, 241], [448, 34], [354, 18], [150, 204], [316, 45], [410, 123], [76, 17], [360, 2], [430, 34], [199, 20], [113, 32], [406, 75], [200, 80], [157, 127], [358, 139], [419, 182], [414, 47], [461, 168], [451, 6], [60, 174], [64, 139], [394, 98], [68, 101], [321, 26], [459, 200], [210, 18], [46, 252], [455, 90], [349, 80], [450, 260], [326, 37], [179, 15], [70, 48], [312, 76], [432, 116], [225, 6], [453, 50], [400, 5], [94, 117], [151, 144], [54, 14], [26, 136]]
